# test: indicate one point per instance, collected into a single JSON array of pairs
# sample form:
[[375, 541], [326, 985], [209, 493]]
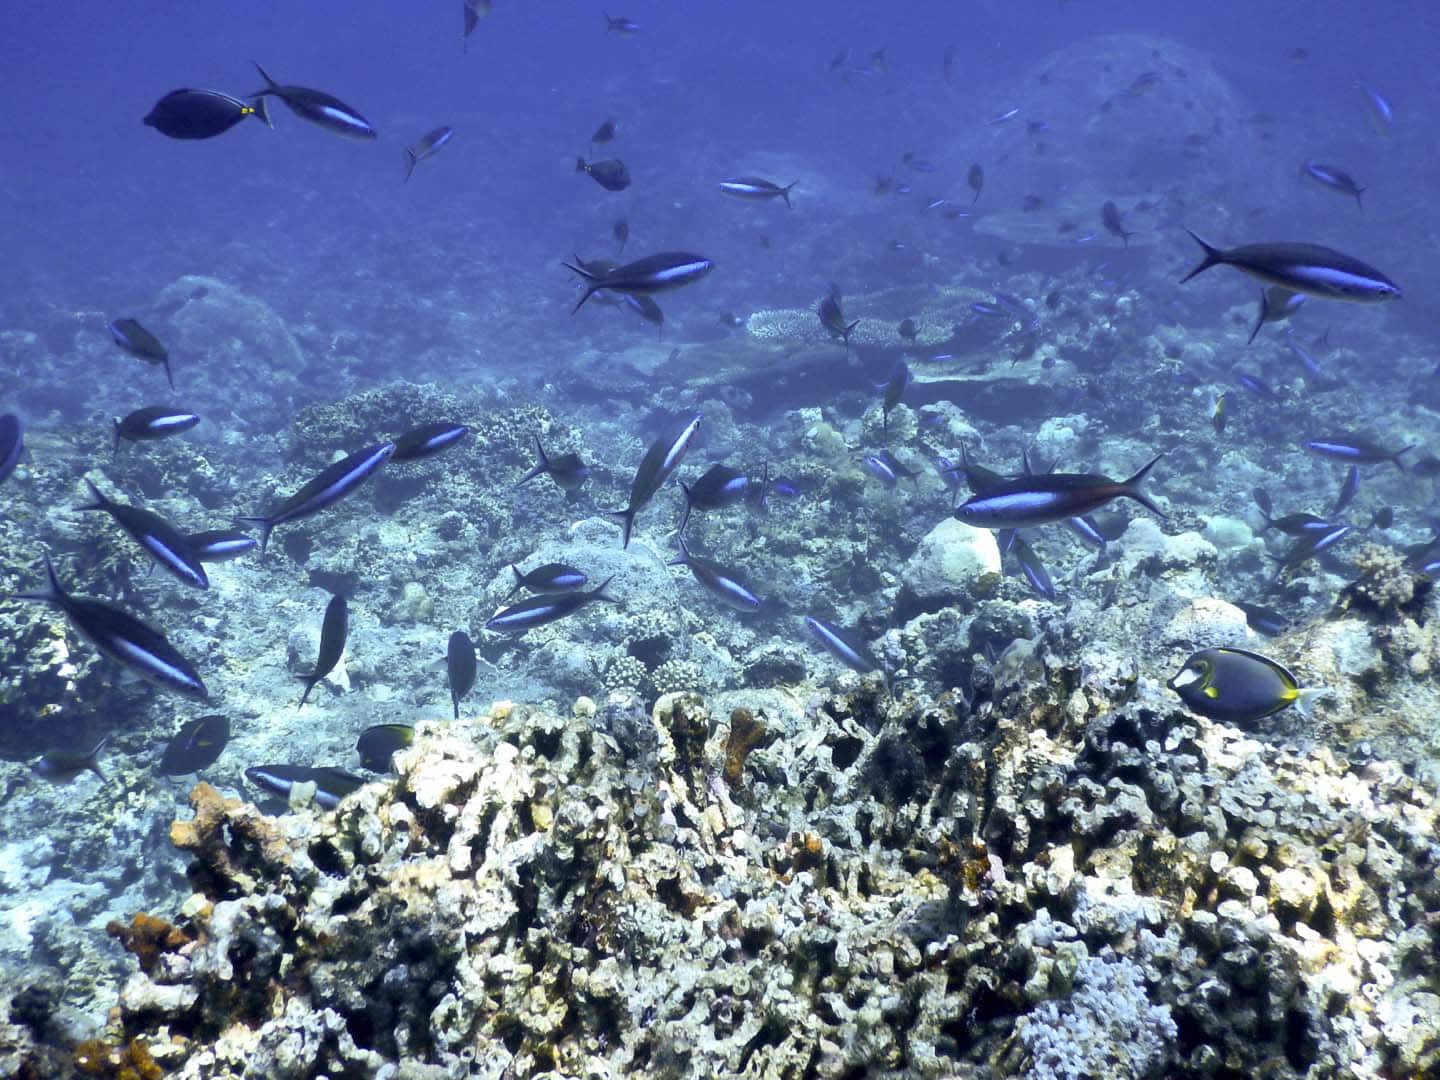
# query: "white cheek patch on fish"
[[1186, 677]]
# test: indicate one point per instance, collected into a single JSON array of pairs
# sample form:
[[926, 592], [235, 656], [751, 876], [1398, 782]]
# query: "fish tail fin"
[[1305, 698], [410, 160], [92, 759], [169, 375], [115, 450], [519, 583], [589, 292], [52, 591], [265, 526], [627, 523], [270, 84], [455, 703], [1132, 486], [1213, 257], [599, 591], [100, 502], [309, 681], [580, 165], [785, 194], [685, 518], [262, 111], [1259, 318]]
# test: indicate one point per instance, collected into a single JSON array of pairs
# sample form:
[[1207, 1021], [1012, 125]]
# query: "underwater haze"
[[805, 540]]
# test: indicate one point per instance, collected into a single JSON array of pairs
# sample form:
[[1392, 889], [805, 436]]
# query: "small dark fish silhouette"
[[611, 174], [202, 114], [332, 643], [1114, 224], [152, 422], [567, 470], [604, 133], [976, 179], [62, 766], [429, 145], [141, 344], [197, 745], [460, 667]]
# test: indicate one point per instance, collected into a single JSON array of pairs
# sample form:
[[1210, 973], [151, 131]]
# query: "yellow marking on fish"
[[1211, 692]]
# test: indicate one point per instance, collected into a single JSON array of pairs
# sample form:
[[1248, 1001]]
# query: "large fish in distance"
[[652, 274]]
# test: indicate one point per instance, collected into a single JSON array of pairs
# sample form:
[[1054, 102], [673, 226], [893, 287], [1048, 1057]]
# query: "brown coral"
[[148, 938], [746, 733], [223, 835], [133, 1061]]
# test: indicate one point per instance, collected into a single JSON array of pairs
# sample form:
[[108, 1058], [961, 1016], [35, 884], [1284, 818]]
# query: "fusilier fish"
[[141, 344], [123, 638], [659, 462], [220, 545], [548, 579], [845, 645], [152, 422], [430, 144], [611, 174], [459, 667], [567, 470], [1336, 179], [1031, 566], [718, 487], [202, 114], [62, 766], [157, 537], [318, 107], [652, 274], [1356, 449], [325, 489], [1235, 686], [331, 784], [1303, 268], [723, 583], [619, 24], [1037, 500], [538, 610], [426, 440], [755, 188], [197, 745], [1349, 488], [333, 632]]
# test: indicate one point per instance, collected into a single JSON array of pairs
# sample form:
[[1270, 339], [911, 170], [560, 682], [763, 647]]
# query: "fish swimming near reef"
[[62, 766], [1235, 686], [548, 579], [567, 470], [152, 422], [459, 667], [141, 344], [123, 638], [427, 440], [159, 539], [659, 462], [202, 114], [718, 581], [652, 274], [718, 487], [845, 645], [333, 633], [1303, 268], [1037, 500], [197, 745], [379, 743], [220, 545], [322, 109], [331, 784], [538, 610], [325, 489]]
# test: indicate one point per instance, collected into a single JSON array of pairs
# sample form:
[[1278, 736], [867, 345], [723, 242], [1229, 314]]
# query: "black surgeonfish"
[[1303, 268], [202, 114], [152, 422], [332, 643], [12, 444], [832, 318], [429, 145], [567, 470], [326, 488], [655, 467], [331, 784], [197, 745], [141, 344], [460, 667], [123, 638], [611, 174], [318, 107], [157, 537], [379, 743]]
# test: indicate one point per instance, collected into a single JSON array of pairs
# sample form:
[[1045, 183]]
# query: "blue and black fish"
[[430, 144], [157, 538], [331, 784], [538, 610], [652, 274], [548, 580], [1303, 268], [655, 468], [123, 638], [152, 422], [722, 583], [427, 440], [327, 488], [318, 107], [202, 114], [1037, 500], [845, 645], [333, 633], [197, 745], [141, 344]]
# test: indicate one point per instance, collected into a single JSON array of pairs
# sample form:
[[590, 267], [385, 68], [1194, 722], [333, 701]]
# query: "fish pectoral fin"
[[1306, 698]]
